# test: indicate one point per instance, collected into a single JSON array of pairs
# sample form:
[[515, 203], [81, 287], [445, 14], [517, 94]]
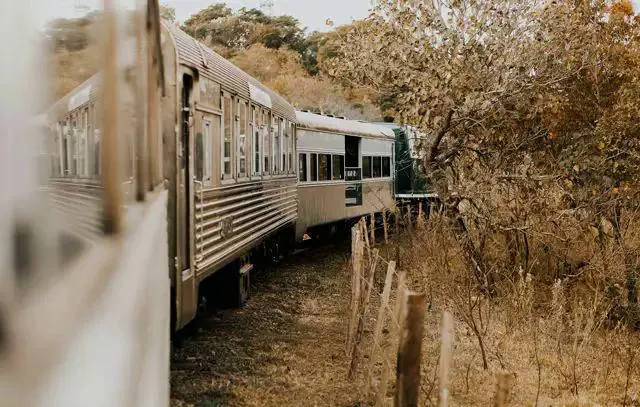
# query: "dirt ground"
[[285, 348]]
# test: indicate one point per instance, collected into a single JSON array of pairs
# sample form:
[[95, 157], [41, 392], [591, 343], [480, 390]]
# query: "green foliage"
[[219, 27], [167, 13]]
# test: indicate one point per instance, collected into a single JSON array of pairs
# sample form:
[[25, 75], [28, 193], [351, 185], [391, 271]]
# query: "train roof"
[[193, 53], [320, 122]]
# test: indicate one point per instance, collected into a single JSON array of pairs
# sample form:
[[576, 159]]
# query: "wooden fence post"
[[384, 225], [502, 393], [409, 351], [363, 225], [420, 221], [445, 358], [368, 278], [356, 277], [373, 229], [382, 312]]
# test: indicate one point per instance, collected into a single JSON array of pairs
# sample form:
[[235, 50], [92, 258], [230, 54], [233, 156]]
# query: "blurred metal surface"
[[83, 220]]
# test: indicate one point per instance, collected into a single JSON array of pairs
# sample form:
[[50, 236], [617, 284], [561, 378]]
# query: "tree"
[[531, 108], [228, 32], [168, 13]]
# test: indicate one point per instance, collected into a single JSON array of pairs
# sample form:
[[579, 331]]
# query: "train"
[[248, 176]]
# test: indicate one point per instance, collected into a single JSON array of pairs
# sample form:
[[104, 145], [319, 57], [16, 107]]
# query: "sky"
[[311, 13]]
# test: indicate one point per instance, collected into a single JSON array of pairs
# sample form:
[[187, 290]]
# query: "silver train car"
[[345, 171], [246, 174]]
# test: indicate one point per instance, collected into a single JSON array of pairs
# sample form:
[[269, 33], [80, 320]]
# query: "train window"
[[266, 129], [377, 167], [314, 167], [324, 167], [276, 148], [283, 145], [199, 157], [338, 167], [228, 140], [386, 166], [292, 142], [242, 141], [288, 151], [302, 168], [256, 140], [97, 159], [366, 167]]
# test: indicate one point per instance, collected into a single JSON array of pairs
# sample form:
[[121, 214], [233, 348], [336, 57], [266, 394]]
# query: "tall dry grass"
[[563, 327]]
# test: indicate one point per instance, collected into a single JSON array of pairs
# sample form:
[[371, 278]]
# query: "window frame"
[[329, 170], [333, 167], [255, 137], [242, 139], [302, 159], [313, 167], [224, 176]]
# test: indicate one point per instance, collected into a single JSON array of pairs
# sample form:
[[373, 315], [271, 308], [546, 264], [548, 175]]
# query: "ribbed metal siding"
[[229, 219], [78, 205], [230, 77]]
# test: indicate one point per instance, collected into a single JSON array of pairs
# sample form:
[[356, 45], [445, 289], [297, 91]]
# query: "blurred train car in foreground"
[[84, 292]]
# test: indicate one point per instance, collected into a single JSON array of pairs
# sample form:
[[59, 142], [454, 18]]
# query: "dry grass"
[[554, 338], [286, 348]]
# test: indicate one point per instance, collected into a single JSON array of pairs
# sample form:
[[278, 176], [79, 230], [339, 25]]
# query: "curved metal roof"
[[319, 122], [211, 65]]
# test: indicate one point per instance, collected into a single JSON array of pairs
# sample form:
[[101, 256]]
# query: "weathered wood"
[[410, 351], [356, 278], [373, 229], [445, 358], [364, 307], [420, 221], [502, 391], [384, 225], [398, 311], [363, 225], [409, 224], [382, 314]]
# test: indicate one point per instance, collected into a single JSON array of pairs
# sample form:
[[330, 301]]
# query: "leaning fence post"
[[363, 225], [409, 351], [384, 225], [420, 221], [373, 229], [384, 304], [368, 278], [445, 358], [409, 224], [355, 287]]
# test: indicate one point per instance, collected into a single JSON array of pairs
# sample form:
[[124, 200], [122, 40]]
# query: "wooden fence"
[[385, 328]]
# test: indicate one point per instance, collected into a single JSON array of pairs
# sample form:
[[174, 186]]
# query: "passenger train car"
[[246, 174], [345, 170]]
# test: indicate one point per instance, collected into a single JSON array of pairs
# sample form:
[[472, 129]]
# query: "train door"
[[187, 300]]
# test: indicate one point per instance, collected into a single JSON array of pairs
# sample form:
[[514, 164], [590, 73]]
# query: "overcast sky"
[[311, 13]]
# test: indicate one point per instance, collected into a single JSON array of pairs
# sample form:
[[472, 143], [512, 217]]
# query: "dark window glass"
[[314, 167], [324, 167], [366, 167], [199, 157], [302, 168], [377, 167], [386, 166], [338, 167]]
